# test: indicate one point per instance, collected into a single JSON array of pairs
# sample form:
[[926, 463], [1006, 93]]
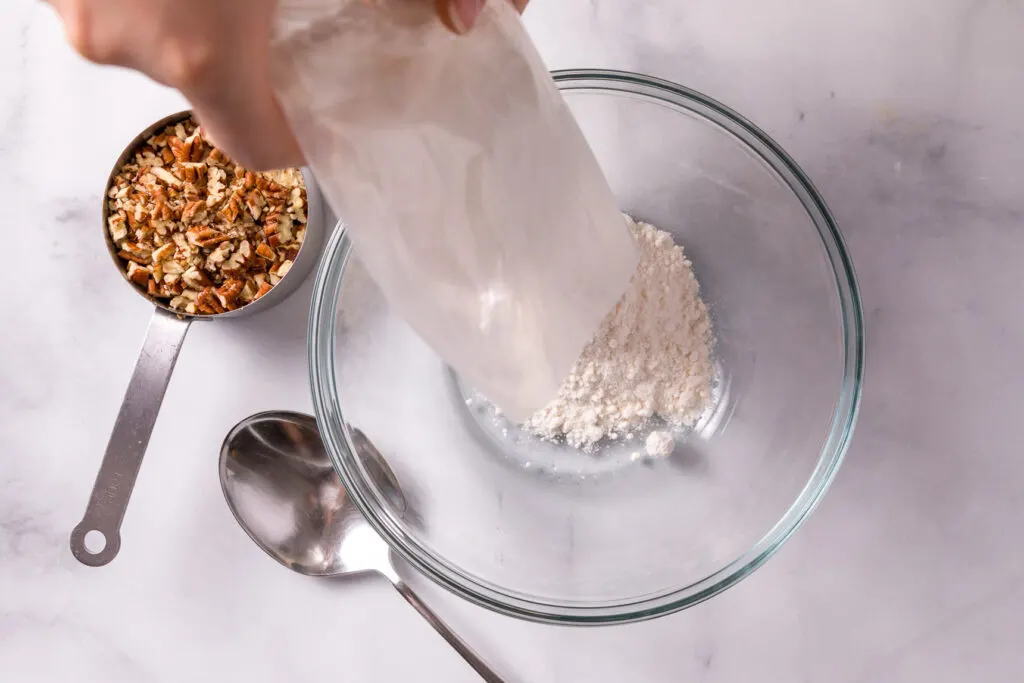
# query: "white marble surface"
[[908, 117]]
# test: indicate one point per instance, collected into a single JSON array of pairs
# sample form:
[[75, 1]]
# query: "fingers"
[[96, 32], [246, 121], [234, 100], [460, 15]]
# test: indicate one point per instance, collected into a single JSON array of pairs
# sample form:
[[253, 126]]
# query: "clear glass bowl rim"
[[339, 446]]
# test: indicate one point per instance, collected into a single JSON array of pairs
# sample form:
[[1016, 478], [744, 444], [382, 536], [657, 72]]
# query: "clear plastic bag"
[[467, 188]]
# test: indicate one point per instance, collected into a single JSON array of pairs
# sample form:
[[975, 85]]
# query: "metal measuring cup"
[[146, 388]]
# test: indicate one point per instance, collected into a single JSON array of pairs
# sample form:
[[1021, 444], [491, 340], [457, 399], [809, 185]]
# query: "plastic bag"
[[467, 188]]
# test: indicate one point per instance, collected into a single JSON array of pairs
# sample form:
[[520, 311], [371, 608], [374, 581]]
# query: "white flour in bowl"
[[650, 358]]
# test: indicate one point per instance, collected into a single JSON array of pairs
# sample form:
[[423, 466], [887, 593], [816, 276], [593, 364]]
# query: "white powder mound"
[[650, 357], [660, 444]]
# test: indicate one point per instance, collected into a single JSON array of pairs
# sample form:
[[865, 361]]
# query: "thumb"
[[235, 101], [246, 121], [460, 15]]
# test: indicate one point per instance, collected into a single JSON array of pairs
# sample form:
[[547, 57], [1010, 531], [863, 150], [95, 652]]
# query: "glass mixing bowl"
[[547, 533]]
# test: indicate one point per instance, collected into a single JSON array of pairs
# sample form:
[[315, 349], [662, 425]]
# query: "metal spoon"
[[281, 487]]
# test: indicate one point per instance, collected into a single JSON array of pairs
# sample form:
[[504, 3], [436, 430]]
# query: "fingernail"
[[464, 13]]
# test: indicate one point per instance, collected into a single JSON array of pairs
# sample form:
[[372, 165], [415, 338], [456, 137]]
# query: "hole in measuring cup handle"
[[95, 541], [93, 551]]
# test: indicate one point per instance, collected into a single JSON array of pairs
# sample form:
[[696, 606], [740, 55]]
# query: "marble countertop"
[[906, 115]]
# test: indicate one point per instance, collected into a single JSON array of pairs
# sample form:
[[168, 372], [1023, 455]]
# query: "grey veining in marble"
[[907, 115]]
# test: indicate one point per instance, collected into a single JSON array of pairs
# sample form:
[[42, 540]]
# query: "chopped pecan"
[[238, 260], [248, 291], [269, 255], [255, 201], [138, 274], [166, 176], [263, 250], [161, 211], [233, 207], [182, 149], [137, 218], [193, 173], [164, 252], [229, 291], [198, 147], [208, 303], [218, 157], [139, 253], [194, 211], [264, 288], [205, 237], [195, 278], [117, 227], [286, 229], [218, 256]]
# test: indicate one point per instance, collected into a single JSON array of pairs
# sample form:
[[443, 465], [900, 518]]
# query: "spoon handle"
[[471, 657], [128, 441]]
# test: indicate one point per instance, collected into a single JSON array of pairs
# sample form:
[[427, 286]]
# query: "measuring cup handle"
[[128, 441]]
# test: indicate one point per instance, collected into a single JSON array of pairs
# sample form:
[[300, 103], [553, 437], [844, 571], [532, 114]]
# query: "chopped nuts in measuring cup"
[[196, 230]]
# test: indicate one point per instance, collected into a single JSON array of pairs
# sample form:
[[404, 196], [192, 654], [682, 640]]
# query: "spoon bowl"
[[282, 489]]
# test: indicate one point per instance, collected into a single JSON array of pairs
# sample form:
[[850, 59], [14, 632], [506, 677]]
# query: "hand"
[[217, 53]]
